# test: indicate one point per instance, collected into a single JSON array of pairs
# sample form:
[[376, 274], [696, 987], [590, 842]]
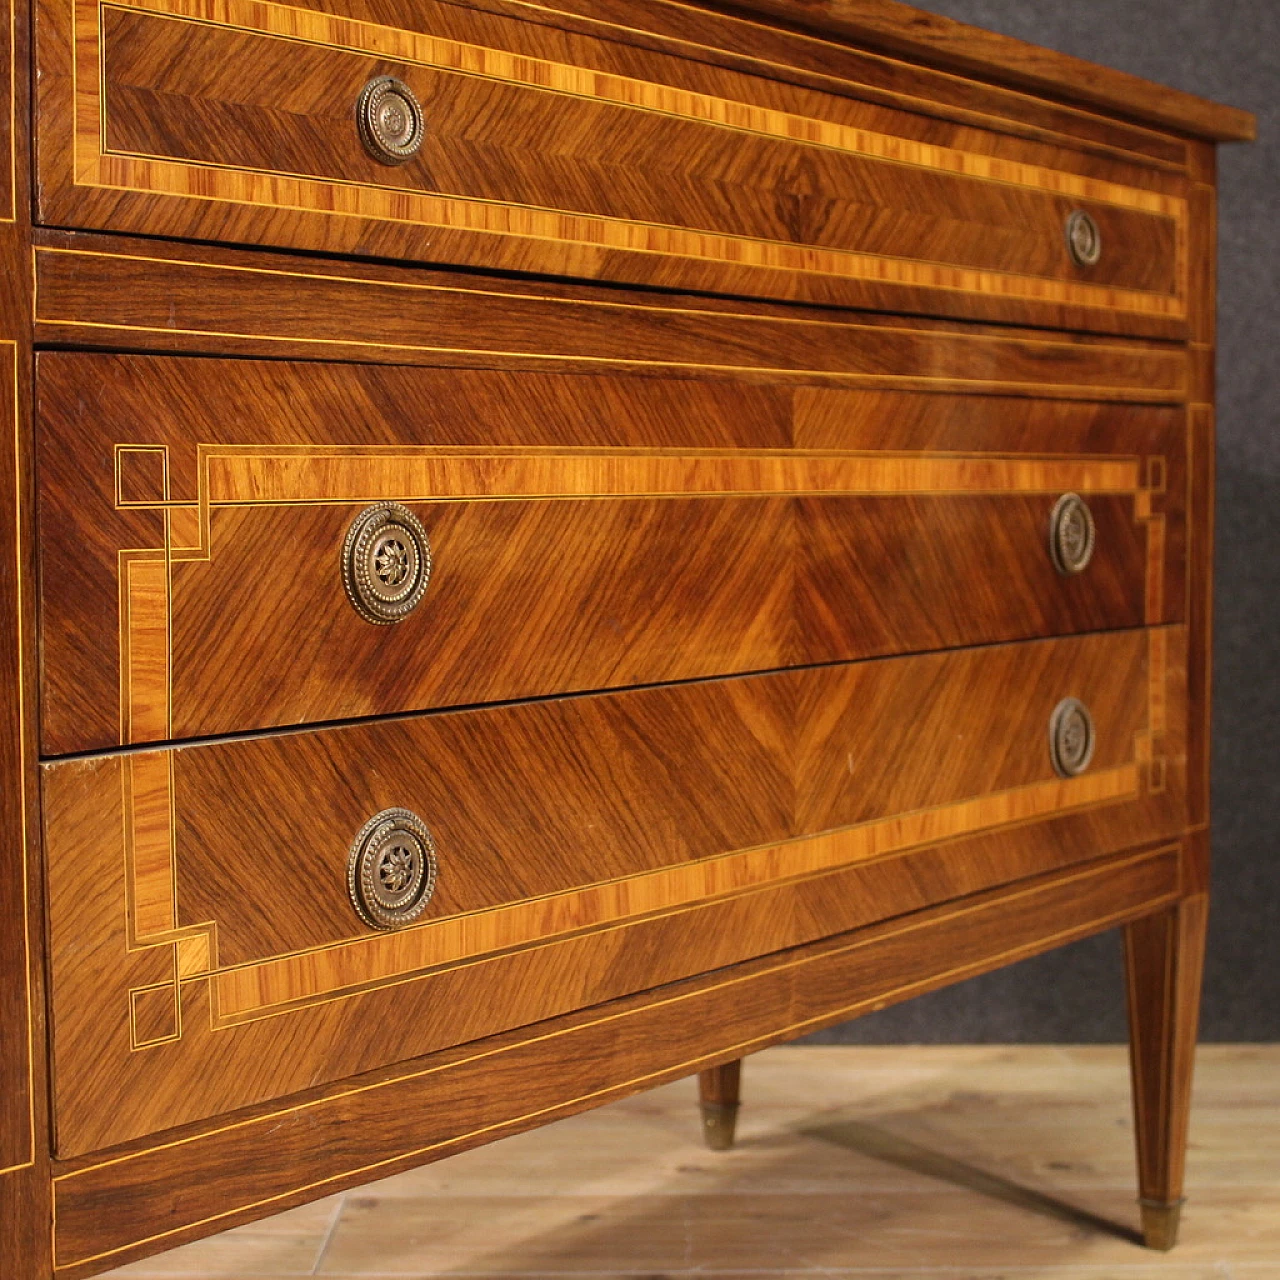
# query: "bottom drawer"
[[213, 909]]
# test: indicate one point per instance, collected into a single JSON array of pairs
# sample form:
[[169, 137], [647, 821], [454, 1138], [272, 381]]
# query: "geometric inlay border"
[[266, 475], [94, 165]]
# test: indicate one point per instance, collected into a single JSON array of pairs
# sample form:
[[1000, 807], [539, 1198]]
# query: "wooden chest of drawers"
[[550, 548]]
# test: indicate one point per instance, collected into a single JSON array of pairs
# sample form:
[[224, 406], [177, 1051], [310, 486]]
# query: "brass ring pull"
[[1084, 240], [386, 563], [1071, 738], [1071, 534], [391, 869], [390, 120]]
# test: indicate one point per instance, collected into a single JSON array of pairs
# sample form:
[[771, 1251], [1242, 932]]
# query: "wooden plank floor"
[[952, 1163]]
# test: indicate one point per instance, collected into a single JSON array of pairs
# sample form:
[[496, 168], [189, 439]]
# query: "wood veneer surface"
[[586, 846], [154, 1030], [943, 41], [25, 1192], [107, 292], [463, 1097], [562, 152], [188, 91], [595, 532]]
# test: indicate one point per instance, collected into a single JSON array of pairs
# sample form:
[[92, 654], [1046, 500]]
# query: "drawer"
[[599, 156], [201, 522], [208, 952]]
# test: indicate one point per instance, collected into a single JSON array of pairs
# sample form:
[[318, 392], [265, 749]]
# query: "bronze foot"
[[719, 1119], [719, 1089], [1160, 1224]]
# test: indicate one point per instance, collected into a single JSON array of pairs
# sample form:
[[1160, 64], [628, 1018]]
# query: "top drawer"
[[606, 156]]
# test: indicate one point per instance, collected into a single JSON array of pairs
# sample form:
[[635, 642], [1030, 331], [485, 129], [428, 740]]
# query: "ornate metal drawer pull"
[[391, 869], [390, 120], [1071, 534], [1071, 738], [386, 562], [1084, 240]]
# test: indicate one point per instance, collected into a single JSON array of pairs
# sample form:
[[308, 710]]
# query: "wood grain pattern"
[[922, 96], [150, 872], [1164, 958], [650, 590], [25, 1195], [923, 103], [228, 1173], [942, 41], [789, 480], [9, 93], [834, 124], [724, 163], [144, 151], [267, 988], [462, 1004], [558, 830], [867, 588], [1201, 478], [268, 475], [22, 1140], [695, 538], [98, 292]]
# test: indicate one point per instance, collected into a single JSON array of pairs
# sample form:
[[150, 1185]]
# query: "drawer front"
[[206, 952], [584, 157], [582, 533]]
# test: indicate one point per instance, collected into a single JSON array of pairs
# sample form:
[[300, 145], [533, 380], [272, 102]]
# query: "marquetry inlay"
[[97, 165], [230, 476], [273, 986], [151, 898], [9, 113], [433, 319], [270, 475], [278, 984], [80, 1187], [273, 475], [18, 1147]]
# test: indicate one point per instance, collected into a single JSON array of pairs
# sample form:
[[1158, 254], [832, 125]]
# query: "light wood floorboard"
[[956, 1163]]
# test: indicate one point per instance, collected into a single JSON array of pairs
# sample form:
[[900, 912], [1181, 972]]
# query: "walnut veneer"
[[796, 420]]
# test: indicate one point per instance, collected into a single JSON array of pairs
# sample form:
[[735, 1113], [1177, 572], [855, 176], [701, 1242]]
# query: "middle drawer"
[[249, 534]]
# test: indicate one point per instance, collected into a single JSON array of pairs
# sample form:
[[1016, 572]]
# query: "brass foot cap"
[[719, 1119], [1160, 1224]]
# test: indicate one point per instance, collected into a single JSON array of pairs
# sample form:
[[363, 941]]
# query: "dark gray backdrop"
[[1228, 50]]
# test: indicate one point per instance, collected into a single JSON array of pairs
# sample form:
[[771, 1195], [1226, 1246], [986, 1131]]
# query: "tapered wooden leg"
[[1164, 960], [718, 1089]]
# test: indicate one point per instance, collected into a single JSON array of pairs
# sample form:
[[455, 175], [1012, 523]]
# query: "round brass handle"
[[391, 869], [1084, 240], [386, 563], [1071, 534], [390, 120], [1071, 738]]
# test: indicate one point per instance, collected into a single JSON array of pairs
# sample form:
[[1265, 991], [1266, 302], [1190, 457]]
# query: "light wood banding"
[[782, 803], [792, 194], [102, 291], [236, 1171], [703, 528]]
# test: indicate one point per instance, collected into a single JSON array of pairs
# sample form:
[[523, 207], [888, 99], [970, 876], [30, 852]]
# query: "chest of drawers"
[[551, 547]]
